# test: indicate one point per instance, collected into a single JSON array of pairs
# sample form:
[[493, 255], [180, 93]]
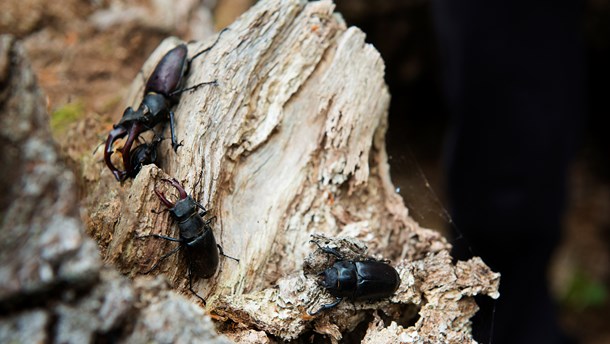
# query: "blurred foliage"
[[584, 292]]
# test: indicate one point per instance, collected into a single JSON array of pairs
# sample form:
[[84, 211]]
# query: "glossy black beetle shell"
[[197, 238], [168, 73], [357, 280], [366, 280]]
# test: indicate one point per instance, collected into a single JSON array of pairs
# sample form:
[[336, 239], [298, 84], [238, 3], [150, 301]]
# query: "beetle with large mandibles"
[[161, 93], [143, 154], [357, 280], [196, 239]]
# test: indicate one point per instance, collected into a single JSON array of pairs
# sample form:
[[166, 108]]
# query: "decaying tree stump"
[[289, 143]]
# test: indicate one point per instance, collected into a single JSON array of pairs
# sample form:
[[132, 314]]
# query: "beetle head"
[[184, 208], [330, 278], [143, 154], [129, 115]]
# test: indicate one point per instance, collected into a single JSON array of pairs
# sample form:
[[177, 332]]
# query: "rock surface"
[[53, 287]]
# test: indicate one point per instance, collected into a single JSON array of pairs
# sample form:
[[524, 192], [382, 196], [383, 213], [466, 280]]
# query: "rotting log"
[[290, 143]]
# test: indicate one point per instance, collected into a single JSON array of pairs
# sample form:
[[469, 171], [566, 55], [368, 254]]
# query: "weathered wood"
[[290, 143]]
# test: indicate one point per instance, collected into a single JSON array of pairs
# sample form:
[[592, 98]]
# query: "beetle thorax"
[[341, 279], [154, 107], [184, 209]]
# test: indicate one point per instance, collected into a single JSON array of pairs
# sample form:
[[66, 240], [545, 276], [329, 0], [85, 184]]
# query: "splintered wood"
[[289, 143]]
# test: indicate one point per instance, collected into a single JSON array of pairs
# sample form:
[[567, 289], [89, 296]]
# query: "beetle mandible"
[[196, 238], [357, 280], [161, 93]]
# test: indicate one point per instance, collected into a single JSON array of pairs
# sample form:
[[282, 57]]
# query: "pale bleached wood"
[[290, 143]]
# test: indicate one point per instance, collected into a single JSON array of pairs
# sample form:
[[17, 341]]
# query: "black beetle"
[[162, 91], [143, 154], [196, 237], [357, 280]]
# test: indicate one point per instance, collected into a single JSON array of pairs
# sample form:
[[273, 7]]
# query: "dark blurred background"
[[579, 273], [86, 53]]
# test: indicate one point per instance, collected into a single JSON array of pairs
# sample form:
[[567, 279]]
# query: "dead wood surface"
[[290, 143]]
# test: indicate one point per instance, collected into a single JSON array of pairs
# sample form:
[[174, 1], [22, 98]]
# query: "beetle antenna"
[[165, 256], [328, 250]]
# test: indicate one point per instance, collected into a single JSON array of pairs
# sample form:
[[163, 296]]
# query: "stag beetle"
[[196, 237], [357, 280], [143, 154], [162, 91]]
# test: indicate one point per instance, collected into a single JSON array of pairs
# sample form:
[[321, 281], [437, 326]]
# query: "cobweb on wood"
[[425, 200]]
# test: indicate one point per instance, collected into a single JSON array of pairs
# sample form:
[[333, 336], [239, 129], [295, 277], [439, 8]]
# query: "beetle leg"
[[372, 259], [191, 284], [165, 256], [157, 138], [158, 211], [327, 306], [190, 88], [172, 128], [158, 236], [208, 221], [222, 253], [97, 147]]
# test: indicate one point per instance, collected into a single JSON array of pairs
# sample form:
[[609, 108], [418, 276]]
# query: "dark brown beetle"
[[196, 237], [161, 93]]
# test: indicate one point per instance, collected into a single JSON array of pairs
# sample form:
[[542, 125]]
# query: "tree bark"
[[290, 143]]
